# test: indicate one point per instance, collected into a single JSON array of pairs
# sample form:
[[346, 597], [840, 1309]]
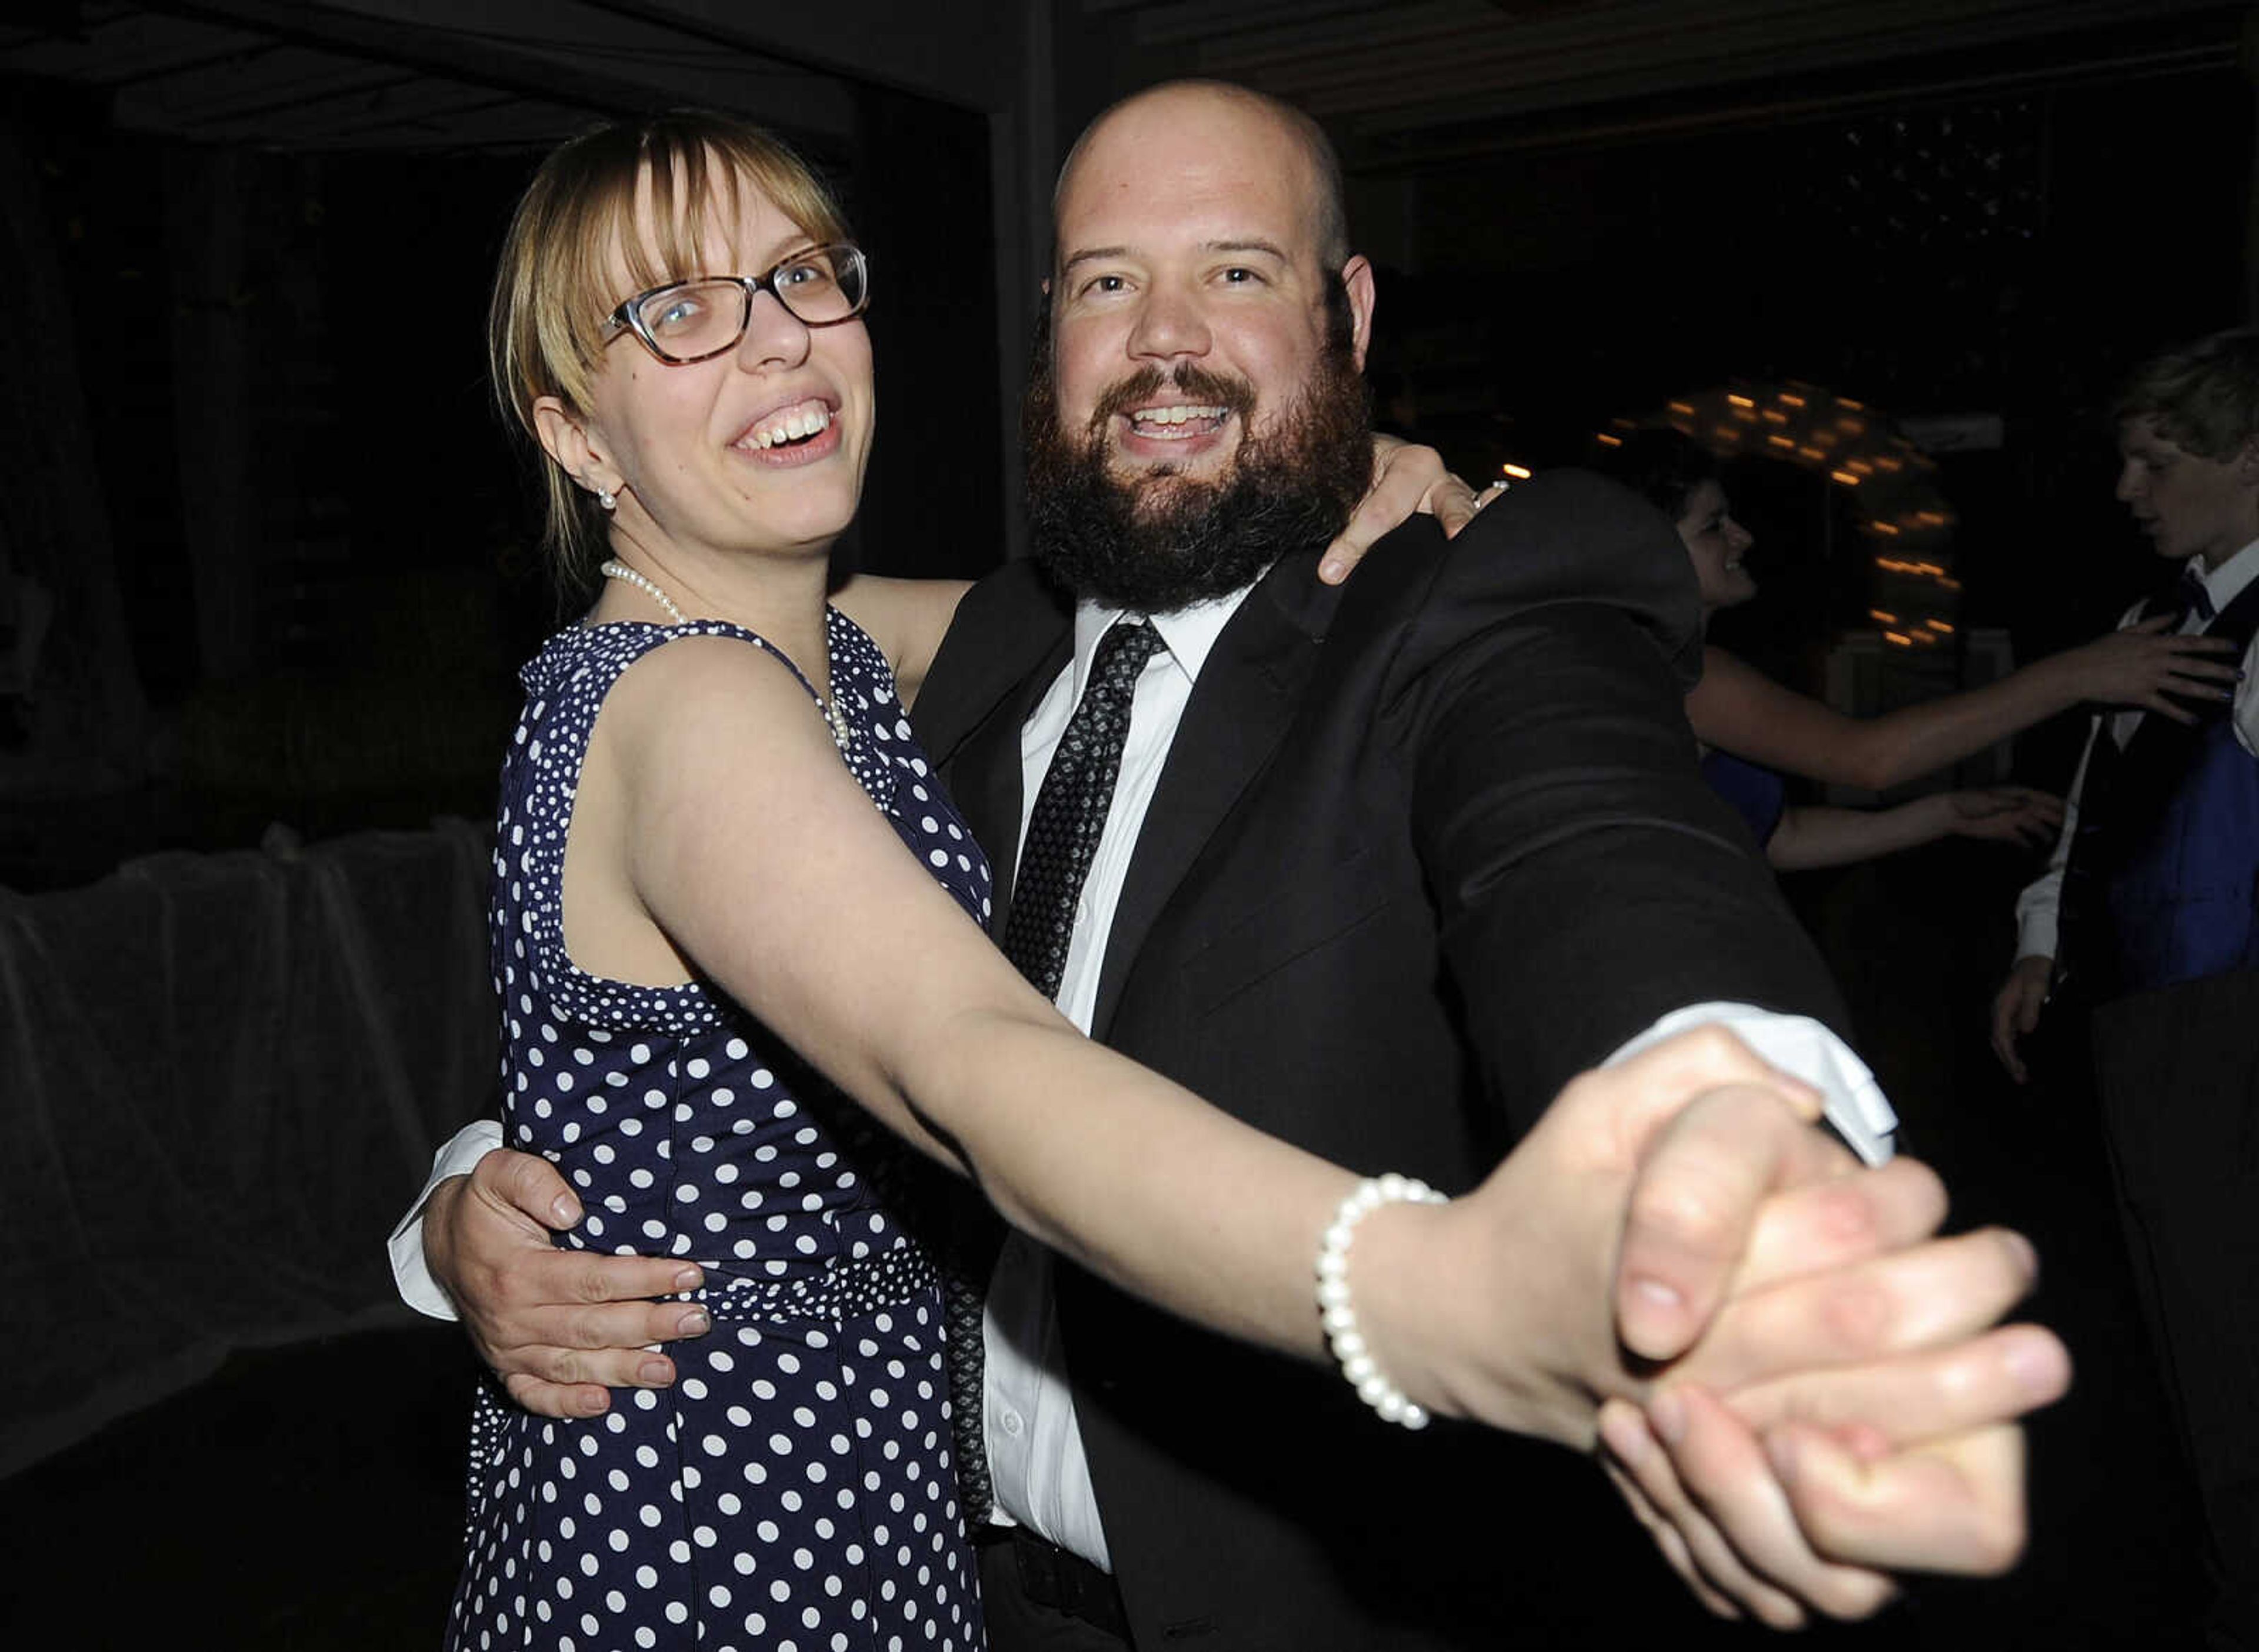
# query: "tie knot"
[[1122, 653], [2187, 595]]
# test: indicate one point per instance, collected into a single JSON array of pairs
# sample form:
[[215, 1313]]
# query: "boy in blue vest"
[[2146, 915]]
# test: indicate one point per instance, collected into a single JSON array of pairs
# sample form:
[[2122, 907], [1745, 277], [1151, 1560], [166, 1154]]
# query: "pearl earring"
[[606, 499]]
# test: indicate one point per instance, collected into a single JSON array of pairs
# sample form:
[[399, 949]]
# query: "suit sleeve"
[[1586, 880]]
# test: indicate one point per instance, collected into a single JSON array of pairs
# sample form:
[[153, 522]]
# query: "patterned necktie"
[[1063, 833], [1070, 812]]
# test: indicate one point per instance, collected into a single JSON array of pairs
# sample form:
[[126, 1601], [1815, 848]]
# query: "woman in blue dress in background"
[[1752, 730], [1737, 708]]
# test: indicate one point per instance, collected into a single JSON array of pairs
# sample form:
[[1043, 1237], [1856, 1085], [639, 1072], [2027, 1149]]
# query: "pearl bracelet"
[[1334, 1309]]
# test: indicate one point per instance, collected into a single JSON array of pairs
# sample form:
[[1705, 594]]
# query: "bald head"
[[1202, 342], [1220, 105]]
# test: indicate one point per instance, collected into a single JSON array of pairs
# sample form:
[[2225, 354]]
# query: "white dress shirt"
[[2039, 908], [1035, 1464]]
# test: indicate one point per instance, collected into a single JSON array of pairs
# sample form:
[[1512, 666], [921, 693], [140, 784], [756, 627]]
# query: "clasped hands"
[[1799, 1389], [1795, 1384]]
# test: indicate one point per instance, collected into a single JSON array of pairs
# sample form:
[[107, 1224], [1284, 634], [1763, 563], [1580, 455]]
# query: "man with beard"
[[1381, 869]]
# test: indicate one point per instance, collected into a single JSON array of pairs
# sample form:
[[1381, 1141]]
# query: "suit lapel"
[[1248, 692], [1011, 637], [985, 778]]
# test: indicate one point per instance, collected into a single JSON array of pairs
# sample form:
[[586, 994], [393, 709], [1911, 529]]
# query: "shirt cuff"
[[2037, 934], [410, 1274], [1803, 1048]]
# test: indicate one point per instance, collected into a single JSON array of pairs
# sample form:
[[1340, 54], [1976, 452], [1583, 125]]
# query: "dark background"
[[292, 561]]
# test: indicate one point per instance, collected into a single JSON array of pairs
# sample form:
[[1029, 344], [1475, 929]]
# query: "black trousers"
[[1017, 1623], [2178, 1072]]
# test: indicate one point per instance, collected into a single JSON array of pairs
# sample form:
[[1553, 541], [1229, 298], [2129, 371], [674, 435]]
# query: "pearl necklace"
[[834, 719], [618, 570]]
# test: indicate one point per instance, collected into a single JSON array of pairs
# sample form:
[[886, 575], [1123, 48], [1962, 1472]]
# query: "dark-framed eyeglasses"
[[689, 320]]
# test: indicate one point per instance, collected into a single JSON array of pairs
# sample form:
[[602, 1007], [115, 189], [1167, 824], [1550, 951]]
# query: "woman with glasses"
[[708, 937]]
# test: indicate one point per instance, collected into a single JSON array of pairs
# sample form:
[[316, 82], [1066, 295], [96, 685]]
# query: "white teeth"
[[1176, 415], [808, 419]]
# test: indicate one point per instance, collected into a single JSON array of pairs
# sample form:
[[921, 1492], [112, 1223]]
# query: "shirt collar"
[[1187, 634], [2223, 584]]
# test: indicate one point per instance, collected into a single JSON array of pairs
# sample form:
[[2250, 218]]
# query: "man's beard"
[[1164, 541]]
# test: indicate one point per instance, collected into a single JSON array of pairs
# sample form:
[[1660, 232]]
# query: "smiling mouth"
[[791, 426], [1176, 421]]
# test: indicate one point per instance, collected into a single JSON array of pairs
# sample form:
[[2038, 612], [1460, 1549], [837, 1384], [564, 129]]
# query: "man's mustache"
[[1150, 386]]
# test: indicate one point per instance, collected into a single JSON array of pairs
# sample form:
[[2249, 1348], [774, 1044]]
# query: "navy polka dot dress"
[[793, 1491]]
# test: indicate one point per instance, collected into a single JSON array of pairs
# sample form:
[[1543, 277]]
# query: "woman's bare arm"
[[1737, 708], [845, 945], [1814, 835]]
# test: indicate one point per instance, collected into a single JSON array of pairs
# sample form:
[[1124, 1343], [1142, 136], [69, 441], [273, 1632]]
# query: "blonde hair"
[[554, 285], [2204, 396]]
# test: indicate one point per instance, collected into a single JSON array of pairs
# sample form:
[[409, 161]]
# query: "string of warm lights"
[[1894, 496], [1891, 481]]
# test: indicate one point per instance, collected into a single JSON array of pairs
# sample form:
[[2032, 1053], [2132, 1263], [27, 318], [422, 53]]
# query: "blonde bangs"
[[580, 221]]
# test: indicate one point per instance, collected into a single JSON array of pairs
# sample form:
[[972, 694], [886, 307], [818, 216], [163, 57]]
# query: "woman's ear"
[[566, 440]]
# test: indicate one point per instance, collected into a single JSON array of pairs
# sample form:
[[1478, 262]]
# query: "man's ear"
[[566, 440], [2247, 463], [1357, 279]]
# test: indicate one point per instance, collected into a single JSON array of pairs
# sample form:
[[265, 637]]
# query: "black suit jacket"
[[1424, 847]]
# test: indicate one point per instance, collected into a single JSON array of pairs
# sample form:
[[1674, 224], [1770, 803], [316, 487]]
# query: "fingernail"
[[1329, 569], [694, 1323], [2025, 1254], [1667, 1412], [564, 1211], [689, 1280], [1625, 1435], [1657, 1293], [2037, 1365], [655, 1373]]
